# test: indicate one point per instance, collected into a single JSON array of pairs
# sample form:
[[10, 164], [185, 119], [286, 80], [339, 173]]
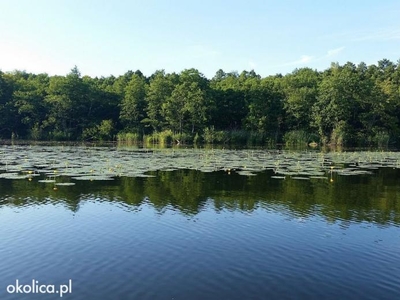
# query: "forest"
[[351, 105]]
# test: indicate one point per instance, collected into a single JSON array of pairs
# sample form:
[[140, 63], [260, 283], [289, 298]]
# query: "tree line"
[[353, 105]]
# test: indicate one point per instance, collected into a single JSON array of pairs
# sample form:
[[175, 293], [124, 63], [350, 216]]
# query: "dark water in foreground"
[[190, 235]]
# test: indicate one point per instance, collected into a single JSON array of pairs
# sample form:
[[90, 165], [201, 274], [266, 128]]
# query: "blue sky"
[[112, 37]]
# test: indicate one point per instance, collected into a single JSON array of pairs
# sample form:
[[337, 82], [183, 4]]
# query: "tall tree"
[[9, 121], [29, 101], [157, 93], [185, 107], [301, 91], [336, 111], [69, 103], [133, 104], [265, 107], [229, 101]]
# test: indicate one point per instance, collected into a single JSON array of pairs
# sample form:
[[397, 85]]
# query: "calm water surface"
[[187, 234]]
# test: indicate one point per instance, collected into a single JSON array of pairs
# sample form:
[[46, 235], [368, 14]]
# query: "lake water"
[[231, 225]]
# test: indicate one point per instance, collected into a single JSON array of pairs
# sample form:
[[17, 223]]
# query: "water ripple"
[[111, 252]]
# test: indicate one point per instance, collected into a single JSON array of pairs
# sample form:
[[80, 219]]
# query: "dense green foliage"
[[349, 104]]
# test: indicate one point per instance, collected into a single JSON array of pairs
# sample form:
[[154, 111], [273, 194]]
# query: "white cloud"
[[306, 59], [382, 34], [378, 35], [334, 52], [303, 60]]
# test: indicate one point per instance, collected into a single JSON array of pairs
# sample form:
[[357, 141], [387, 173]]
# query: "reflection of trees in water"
[[356, 198]]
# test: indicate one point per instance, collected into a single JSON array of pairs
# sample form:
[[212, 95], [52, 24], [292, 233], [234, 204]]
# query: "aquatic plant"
[[69, 164], [128, 137]]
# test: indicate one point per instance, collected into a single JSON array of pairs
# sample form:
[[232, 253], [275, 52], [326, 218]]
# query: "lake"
[[130, 223]]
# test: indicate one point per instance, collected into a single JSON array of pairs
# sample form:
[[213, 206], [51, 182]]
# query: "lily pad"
[[47, 180], [65, 183], [92, 177]]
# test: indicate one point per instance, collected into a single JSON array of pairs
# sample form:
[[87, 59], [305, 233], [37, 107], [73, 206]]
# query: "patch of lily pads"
[[51, 164]]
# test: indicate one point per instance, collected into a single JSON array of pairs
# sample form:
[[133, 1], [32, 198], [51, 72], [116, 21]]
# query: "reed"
[[128, 138], [297, 138], [166, 137]]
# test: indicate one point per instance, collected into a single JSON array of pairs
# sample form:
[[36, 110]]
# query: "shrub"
[[381, 138], [238, 136]]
